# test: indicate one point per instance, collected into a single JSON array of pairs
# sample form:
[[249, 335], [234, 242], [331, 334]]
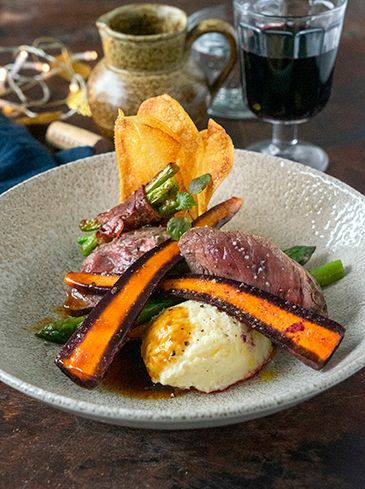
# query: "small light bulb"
[[18, 63], [8, 110], [23, 55], [90, 55], [74, 86], [45, 67], [3, 74]]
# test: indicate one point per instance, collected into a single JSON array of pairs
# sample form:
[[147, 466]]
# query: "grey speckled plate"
[[284, 201]]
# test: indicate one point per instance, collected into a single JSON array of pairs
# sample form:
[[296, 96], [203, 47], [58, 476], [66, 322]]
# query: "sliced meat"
[[78, 303], [113, 259], [253, 260], [131, 214]]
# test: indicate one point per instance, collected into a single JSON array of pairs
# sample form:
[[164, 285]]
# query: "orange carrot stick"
[[309, 339], [309, 336], [90, 282], [87, 355]]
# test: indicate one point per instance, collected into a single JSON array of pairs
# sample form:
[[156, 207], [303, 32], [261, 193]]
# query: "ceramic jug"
[[147, 53]]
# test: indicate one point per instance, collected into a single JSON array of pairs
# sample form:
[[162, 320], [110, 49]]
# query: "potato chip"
[[162, 132], [168, 111], [142, 151], [217, 160]]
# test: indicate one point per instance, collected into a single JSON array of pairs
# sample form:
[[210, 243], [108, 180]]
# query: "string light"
[[74, 86], [31, 66], [87, 55], [19, 61], [3, 76], [45, 67]]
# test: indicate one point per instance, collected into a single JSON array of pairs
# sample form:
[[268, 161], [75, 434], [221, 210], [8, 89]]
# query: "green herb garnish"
[[184, 201], [200, 183], [177, 226]]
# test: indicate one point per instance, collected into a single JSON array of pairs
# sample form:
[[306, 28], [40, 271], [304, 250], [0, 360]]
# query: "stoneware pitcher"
[[147, 53]]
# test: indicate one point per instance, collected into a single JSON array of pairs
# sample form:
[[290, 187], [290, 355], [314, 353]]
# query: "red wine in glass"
[[288, 89], [288, 51]]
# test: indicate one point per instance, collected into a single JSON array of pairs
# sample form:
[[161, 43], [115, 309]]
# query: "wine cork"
[[66, 136]]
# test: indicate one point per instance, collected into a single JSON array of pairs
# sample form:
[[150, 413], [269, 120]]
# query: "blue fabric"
[[22, 156], [73, 154]]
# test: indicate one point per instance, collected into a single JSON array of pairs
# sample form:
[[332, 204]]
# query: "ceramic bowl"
[[283, 201]]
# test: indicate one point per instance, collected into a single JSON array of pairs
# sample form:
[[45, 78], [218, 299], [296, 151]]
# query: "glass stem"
[[284, 135]]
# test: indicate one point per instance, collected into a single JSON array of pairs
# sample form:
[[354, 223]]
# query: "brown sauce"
[[35, 327], [61, 312], [128, 376]]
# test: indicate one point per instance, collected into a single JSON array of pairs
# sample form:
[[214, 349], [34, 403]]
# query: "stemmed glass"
[[288, 51], [210, 52]]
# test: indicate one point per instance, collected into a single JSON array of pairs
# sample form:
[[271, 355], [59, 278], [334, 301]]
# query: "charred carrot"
[[310, 337], [87, 355], [90, 282], [99, 283]]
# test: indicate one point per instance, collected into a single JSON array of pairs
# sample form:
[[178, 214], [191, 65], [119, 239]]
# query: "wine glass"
[[288, 51], [210, 52]]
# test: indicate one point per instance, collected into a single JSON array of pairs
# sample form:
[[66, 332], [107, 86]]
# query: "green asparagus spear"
[[300, 254], [162, 193], [158, 190], [155, 304], [88, 243], [169, 171], [159, 194], [60, 331], [328, 273], [89, 225]]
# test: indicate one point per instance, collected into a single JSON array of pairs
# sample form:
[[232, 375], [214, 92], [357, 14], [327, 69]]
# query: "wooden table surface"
[[318, 444]]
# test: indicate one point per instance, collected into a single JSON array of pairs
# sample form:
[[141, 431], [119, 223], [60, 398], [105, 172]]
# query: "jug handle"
[[224, 28]]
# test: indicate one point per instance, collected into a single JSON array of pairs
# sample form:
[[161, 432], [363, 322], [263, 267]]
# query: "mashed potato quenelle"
[[196, 345]]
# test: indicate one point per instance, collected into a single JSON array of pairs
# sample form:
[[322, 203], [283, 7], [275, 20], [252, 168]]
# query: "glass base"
[[229, 104], [301, 152]]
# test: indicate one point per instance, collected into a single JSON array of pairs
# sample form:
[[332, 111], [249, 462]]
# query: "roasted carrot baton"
[[87, 355], [310, 337], [313, 343], [90, 282]]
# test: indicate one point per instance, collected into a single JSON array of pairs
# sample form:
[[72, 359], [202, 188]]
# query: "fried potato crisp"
[[217, 160], [162, 132], [142, 151]]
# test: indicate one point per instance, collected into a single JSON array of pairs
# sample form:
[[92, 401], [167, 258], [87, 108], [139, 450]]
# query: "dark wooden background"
[[319, 444]]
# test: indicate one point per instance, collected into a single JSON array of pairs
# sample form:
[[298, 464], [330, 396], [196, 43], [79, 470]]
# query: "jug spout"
[[100, 24]]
